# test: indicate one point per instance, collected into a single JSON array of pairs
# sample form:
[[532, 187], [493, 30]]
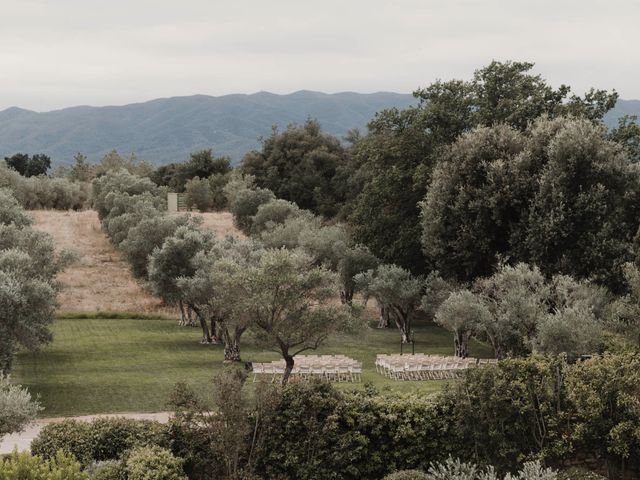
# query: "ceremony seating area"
[[333, 368], [421, 366]]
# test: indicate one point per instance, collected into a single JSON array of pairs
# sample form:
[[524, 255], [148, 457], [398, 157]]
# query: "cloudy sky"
[[56, 53]]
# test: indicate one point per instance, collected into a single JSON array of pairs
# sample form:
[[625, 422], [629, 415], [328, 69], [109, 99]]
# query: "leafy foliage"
[[101, 439], [29, 166], [26, 467], [17, 408], [299, 165], [153, 463]]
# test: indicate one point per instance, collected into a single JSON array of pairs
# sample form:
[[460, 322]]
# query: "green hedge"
[[102, 439]]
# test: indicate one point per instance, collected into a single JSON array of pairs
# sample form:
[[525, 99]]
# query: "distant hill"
[[168, 129]]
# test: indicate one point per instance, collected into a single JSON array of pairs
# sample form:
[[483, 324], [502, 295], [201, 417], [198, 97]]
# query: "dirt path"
[[101, 280], [22, 440]]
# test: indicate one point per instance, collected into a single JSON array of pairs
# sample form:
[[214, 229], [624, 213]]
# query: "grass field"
[[97, 365]]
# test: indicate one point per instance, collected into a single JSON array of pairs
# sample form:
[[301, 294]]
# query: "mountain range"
[[168, 129]]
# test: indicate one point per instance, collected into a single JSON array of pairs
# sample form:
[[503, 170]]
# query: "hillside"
[[168, 129]]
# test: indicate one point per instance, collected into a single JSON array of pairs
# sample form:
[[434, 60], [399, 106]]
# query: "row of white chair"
[[425, 367], [333, 368]]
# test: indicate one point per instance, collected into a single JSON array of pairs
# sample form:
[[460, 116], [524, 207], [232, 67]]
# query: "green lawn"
[[124, 365]]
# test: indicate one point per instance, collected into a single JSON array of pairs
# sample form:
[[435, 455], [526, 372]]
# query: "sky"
[[59, 53]]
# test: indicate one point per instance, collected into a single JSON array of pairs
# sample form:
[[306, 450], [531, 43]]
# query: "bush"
[[408, 475], [107, 470], [198, 194], [17, 408], [318, 432], [245, 205], [44, 192], [102, 439], [153, 463], [579, 474], [22, 466]]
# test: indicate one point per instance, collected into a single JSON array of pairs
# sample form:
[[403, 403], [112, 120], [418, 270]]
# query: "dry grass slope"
[[101, 280]]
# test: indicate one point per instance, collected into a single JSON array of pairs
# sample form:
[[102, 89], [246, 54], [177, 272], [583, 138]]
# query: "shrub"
[[408, 475], [579, 474], [17, 408], [22, 466], [245, 205], [107, 470], [318, 432], [102, 439], [153, 463], [198, 194], [11, 211]]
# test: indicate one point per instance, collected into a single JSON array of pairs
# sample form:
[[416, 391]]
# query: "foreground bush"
[[107, 470], [457, 470], [102, 439], [22, 466], [153, 463], [408, 475], [17, 408]]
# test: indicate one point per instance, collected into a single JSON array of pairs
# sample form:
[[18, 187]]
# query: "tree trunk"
[[461, 344], [346, 296], [183, 318], [214, 331], [287, 369], [403, 322], [231, 344], [384, 321], [190, 320], [206, 335]]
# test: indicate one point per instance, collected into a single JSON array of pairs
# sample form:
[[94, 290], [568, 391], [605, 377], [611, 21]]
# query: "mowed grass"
[[97, 365]]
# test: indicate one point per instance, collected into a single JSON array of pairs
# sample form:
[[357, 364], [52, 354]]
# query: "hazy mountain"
[[166, 130]]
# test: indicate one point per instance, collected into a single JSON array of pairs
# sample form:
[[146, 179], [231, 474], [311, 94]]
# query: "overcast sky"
[[58, 53]]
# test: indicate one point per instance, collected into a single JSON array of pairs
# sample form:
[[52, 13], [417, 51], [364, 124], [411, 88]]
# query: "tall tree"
[[218, 289], [560, 195], [299, 165], [397, 292], [174, 261], [29, 166], [393, 164], [462, 313], [289, 300]]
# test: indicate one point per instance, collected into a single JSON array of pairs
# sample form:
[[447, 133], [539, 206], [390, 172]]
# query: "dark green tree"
[[299, 165], [38, 164], [392, 166]]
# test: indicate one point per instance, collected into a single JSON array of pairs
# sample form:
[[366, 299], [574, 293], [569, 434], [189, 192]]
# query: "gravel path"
[[22, 441]]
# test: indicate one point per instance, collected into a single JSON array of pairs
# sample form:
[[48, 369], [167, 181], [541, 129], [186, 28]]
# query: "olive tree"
[[173, 261], [198, 194], [517, 297], [245, 205], [575, 331], [397, 292], [272, 213], [217, 289], [28, 285], [462, 313], [290, 303], [147, 235]]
